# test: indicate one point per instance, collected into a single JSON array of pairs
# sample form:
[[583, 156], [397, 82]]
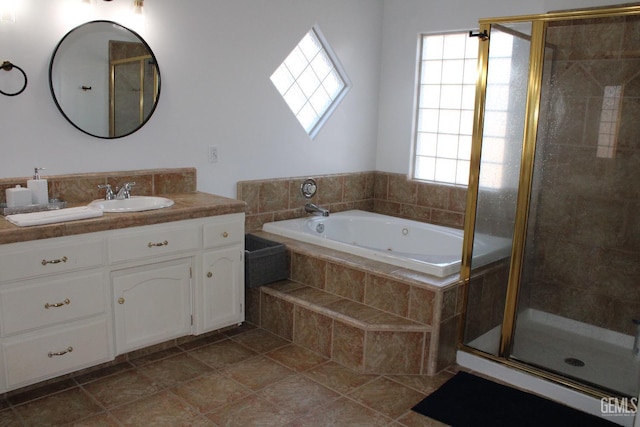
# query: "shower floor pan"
[[578, 350]]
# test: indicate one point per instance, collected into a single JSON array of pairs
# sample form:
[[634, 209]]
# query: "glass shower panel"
[[127, 97], [502, 136], [579, 300]]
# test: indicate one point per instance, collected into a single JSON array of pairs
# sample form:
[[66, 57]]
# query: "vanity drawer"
[[46, 303], [50, 256], [224, 231], [34, 357], [156, 241]]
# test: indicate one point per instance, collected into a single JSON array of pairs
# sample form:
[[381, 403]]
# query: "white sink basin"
[[134, 204]]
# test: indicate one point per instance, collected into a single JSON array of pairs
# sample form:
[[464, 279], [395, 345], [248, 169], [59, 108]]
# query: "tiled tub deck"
[[366, 315]]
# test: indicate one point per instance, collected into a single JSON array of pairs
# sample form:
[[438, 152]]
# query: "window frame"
[[416, 131], [339, 69]]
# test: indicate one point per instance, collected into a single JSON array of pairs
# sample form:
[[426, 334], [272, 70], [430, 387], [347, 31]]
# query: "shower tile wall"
[[587, 226], [387, 193]]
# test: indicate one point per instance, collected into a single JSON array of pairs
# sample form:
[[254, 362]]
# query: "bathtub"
[[414, 245]]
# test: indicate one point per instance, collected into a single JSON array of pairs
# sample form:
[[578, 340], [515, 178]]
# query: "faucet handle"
[[108, 191], [124, 192]]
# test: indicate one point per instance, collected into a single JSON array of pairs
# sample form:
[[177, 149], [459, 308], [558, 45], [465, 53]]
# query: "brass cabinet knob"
[[209, 274], [120, 300], [225, 234]]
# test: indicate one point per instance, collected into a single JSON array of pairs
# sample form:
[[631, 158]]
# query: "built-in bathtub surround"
[[280, 198], [440, 204], [369, 316], [428, 248], [276, 199], [83, 187]]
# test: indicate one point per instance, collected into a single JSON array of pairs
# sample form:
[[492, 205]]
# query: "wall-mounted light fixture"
[[135, 15], [7, 11], [138, 7]]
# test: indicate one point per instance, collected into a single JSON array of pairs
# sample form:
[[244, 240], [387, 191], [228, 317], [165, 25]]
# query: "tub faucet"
[[315, 209], [125, 191]]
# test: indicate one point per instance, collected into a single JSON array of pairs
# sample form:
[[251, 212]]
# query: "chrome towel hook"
[[8, 66]]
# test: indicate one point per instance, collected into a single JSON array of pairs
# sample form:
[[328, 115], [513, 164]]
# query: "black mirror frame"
[[53, 95]]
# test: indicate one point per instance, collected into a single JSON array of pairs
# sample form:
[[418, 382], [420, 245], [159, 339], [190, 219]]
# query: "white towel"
[[49, 217]]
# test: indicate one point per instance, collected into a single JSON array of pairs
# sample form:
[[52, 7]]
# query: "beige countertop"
[[187, 206]]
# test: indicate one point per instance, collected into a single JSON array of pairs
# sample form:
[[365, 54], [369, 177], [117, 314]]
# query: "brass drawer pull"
[[67, 301], [55, 261], [225, 234], [209, 274], [60, 353], [165, 243]]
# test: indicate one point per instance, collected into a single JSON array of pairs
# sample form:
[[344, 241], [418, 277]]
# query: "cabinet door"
[[223, 288], [152, 304]]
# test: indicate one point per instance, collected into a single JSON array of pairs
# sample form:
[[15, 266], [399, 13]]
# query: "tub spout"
[[315, 210]]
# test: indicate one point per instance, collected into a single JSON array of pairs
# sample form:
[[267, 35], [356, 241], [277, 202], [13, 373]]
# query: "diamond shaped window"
[[311, 81]]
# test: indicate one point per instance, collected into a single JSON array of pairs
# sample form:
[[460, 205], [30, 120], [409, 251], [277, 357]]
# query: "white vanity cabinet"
[[151, 279], [68, 303], [222, 262], [54, 313], [221, 305], [152, 304]]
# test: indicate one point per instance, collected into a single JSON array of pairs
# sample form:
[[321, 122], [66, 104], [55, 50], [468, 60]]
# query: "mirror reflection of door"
[[132, 86]]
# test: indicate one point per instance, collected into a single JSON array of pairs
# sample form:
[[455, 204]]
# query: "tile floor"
[[243, 377]]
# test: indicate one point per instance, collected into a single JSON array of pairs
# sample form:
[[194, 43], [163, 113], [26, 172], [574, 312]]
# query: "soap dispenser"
[[39, 188]]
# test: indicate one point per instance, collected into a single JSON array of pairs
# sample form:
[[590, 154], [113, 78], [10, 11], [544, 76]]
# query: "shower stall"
[[555, 167]]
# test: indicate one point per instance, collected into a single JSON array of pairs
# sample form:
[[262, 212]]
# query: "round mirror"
[[105, 80]]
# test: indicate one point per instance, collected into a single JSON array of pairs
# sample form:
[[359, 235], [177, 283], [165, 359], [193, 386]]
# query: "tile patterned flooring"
[[243, 377]]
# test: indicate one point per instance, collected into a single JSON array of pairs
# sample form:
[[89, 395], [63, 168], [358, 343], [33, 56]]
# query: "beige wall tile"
[[332, 189], [421, 305], [348, 346], [399, 352], [402, 190], [387, 295], [313, 331], [274, 196], [308, 270], [346, 282], [276, 315]]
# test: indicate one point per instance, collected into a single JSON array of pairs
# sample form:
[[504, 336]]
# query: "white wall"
[[215, 58], [403, 21]]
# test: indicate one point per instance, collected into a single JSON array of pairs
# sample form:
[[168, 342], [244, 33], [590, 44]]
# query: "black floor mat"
[[468, 400]]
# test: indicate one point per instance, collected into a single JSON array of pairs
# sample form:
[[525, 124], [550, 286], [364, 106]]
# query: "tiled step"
[[353, 334]]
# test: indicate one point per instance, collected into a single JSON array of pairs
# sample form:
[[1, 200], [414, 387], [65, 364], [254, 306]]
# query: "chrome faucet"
[[125, 191], [315, 210], [108, 194]]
